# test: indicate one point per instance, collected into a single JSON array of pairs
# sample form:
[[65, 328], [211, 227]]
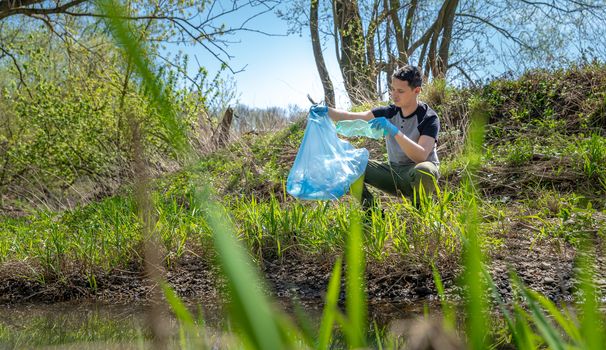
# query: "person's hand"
[[384, 124], [319, 109]]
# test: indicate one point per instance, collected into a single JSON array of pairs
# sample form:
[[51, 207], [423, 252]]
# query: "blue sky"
[[280, 70]]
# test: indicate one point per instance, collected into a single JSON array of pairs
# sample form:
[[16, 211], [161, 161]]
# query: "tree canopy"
[[458, 40]]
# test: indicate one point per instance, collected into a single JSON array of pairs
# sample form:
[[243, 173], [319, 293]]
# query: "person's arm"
[[416, 151], [337, 114]]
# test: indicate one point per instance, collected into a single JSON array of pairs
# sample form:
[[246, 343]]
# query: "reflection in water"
[[94, 326], [70, 323]]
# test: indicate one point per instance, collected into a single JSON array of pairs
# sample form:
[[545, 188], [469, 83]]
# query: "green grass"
[[106, 234]]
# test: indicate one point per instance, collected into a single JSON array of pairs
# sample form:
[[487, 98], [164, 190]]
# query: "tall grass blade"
[[186, 319], [355, 302], [447, 308], [134, 50], [563, 321], [180, 310], [523, 335], [545, 328], [475, 305], [249, 309], [379, 344], [305, 325], [330, 308], [517, 324], [592, 324]]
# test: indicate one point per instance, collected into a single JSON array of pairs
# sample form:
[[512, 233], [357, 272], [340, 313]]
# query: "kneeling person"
[[411, 129]]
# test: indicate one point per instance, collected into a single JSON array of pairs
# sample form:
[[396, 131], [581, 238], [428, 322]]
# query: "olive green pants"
[[398, 179]]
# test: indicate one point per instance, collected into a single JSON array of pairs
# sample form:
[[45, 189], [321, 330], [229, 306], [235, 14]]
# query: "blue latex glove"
[[319, 110], [384, 124]]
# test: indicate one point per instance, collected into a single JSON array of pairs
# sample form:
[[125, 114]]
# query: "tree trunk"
[[408, 25], [443, 53], [329, 92], [354, 67], [394, 5], [221, 135], [375, 21], [390, 65]]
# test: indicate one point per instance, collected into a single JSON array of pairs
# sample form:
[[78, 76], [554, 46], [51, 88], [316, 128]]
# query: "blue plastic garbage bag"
[[325, 166]]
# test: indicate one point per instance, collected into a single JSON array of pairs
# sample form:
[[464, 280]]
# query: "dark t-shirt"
[[424, 121]]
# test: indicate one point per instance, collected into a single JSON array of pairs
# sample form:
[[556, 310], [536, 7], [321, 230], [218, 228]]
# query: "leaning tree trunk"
[[329, 91], [354, 67], [410, 15], [443, 53]]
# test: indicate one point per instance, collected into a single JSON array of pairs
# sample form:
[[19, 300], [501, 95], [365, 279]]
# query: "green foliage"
[[59, 135], [520, 152], [593, 151], [568, 100], [70, 128]]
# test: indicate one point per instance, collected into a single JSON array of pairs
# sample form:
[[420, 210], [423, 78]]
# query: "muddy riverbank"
[[545, 266]]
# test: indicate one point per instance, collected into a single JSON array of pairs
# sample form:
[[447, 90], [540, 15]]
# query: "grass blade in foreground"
[[250, 310], [474, 282], [188, 325], [475, 285], [447, 308], [592, 324], [115, 14], [180, 310], [132, 48], [355, 295], [545, 328], [330, 308], [565, 322], [518, 326]]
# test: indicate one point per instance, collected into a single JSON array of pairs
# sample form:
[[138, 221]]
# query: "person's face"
[[402, 94]]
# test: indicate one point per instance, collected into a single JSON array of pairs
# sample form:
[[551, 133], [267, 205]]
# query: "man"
[[411, 128]]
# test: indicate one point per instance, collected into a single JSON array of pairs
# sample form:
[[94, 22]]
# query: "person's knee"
[[426, 174], [372, 170]]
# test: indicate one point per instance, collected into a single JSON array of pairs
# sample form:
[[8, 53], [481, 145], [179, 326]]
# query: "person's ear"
[[418, 90]]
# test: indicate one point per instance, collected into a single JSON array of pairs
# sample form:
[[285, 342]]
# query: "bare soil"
[[544, 266]]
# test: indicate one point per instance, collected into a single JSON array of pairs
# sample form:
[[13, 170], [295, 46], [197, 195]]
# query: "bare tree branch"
[[17, 67], [192, 28], [7, 5], [329, 92], [10, 10], [582, 6], [502, 31], [464, 73]]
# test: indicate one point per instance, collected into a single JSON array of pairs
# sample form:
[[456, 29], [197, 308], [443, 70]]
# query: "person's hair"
[[409, 73]]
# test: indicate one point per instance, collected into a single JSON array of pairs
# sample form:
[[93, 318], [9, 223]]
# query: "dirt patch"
[[543, 266], [190, 277]]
